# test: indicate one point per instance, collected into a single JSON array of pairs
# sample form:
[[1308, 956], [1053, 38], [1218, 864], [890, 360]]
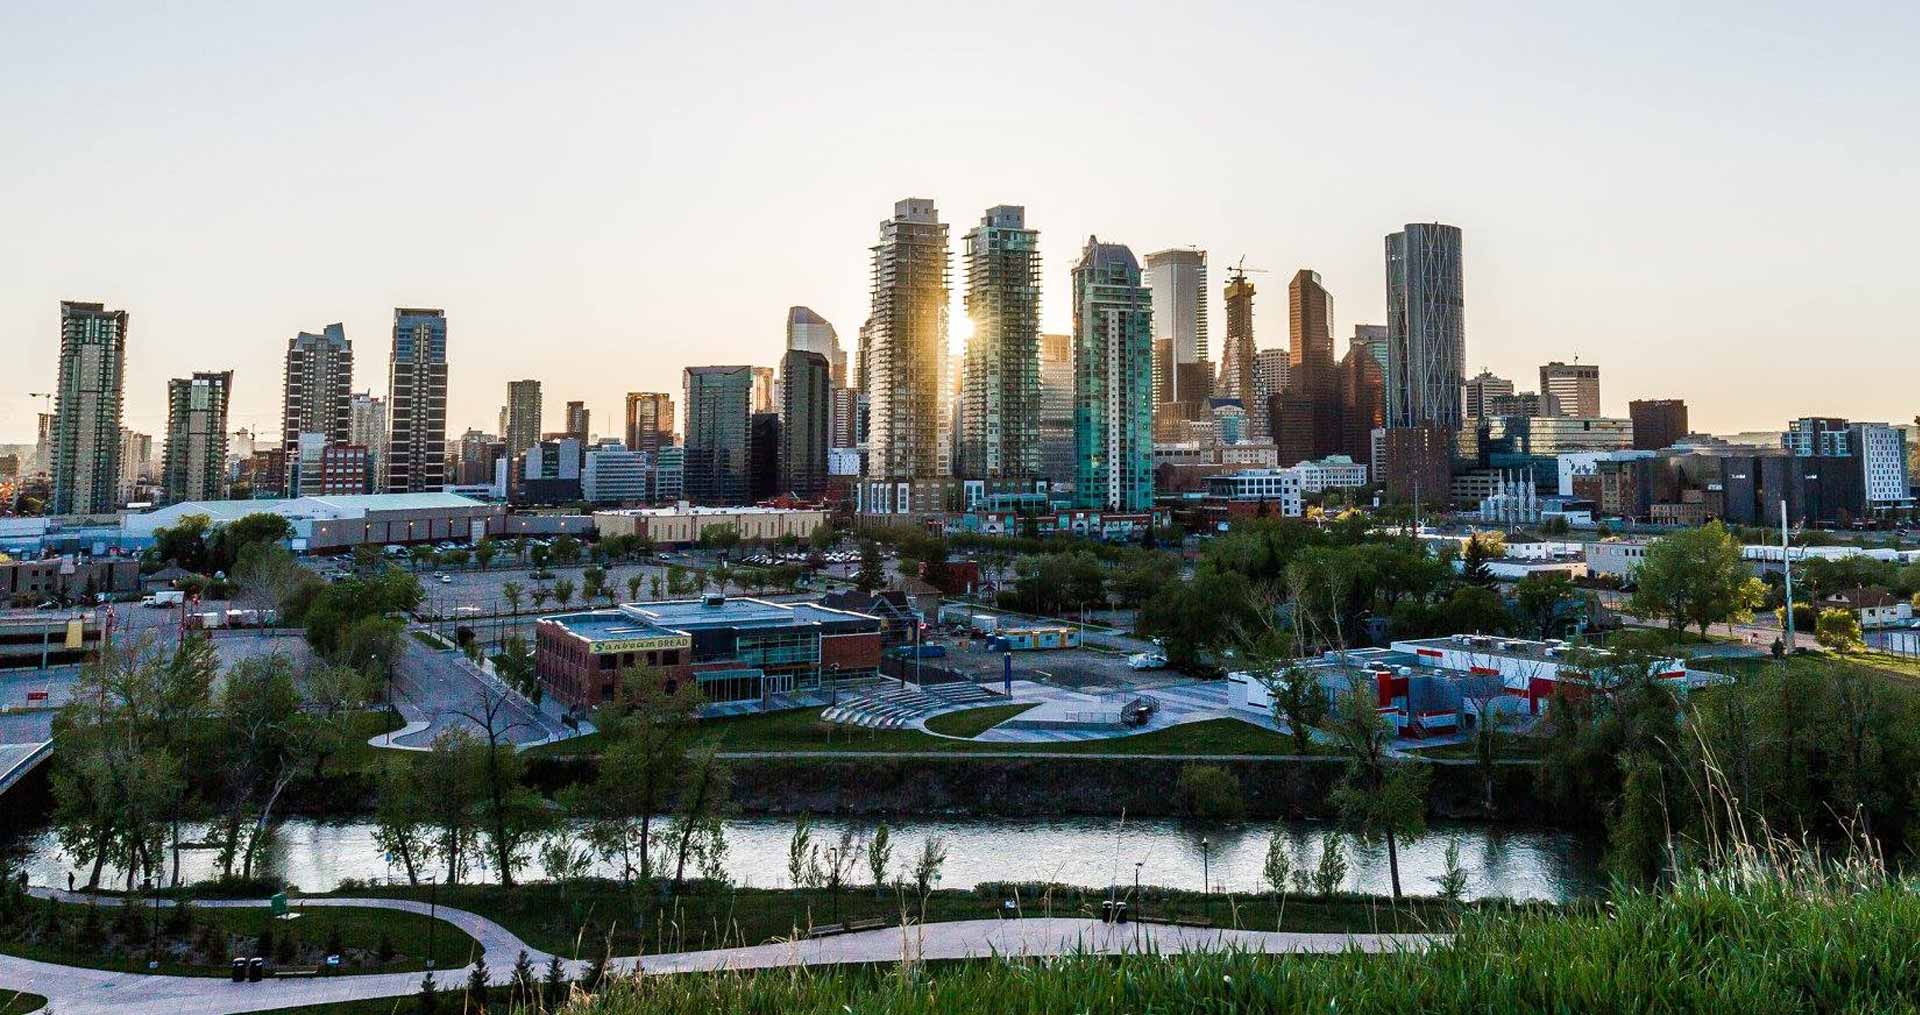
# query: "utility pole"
[[1786, 563]]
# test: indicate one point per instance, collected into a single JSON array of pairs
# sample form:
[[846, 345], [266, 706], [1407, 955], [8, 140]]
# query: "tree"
[[1697, 576], [563, 592], [872, 572], [1839, 630], [423, 556], [1473, 559], [484, 551], [880, 855], [429, 997], [514, 815], [1379, 797], [926, 866], [230, 541], [698, 830], [647, 730], [593, 581], [1543, 600], [1332, 871], [511, 592], [515, 665], [1278, 868], [1452, 881], [802, 854], [634, 583], [539, 597], [554, 984], [566, 549], [184, 543], [399, 830], [448, 798], [266, 577], [477, 986]]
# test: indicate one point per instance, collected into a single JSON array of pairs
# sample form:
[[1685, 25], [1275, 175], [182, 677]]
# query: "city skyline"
[[1597, 207]]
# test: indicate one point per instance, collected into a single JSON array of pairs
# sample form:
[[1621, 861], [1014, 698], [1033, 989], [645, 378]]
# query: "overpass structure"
[[19, 760]]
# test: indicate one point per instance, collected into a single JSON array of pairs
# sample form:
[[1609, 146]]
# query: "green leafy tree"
[[872, 573], [512, 593], [1277, 870], [513, 815], [566, 549], [1839, 630], [880, 855], [634, 583], [563, 592], [1697, 577], [484, 551], [648, 730], [399, 829], [1379, 797], [1544, 601]]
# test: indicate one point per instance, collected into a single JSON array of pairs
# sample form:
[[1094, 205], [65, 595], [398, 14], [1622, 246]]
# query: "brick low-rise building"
[[739, 649]]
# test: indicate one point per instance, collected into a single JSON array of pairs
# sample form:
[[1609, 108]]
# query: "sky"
[[1715, 203]]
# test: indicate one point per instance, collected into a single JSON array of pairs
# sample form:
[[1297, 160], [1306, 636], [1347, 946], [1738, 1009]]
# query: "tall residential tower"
[[195, 462], [1113, 380], [85, 445], [417, 402], [906, 345], [1000, 390]]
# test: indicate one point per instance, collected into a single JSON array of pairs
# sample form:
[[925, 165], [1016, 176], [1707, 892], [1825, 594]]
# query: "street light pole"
[[433, 917], [1206, 876]]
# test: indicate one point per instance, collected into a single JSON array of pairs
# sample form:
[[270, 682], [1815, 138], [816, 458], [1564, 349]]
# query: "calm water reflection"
[[1519, 864]]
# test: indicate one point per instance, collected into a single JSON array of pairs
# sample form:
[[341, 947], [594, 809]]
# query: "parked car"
[[1146, 661]]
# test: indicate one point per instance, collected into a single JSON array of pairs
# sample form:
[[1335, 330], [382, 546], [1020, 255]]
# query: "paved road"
[[75, 991], [435, 687], [1323, 759]]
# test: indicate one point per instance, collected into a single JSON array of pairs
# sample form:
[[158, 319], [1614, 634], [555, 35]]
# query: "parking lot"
[[1079, 669]]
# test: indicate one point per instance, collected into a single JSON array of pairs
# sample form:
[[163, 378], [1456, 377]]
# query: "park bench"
[[295, 972], [826, 930], [875, 923]]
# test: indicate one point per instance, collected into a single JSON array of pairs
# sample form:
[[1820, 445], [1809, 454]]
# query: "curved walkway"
[[73, 990]]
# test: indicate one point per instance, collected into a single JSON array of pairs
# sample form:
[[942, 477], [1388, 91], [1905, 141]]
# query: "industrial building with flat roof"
[[682, 524], [737, 649], [321, 524]]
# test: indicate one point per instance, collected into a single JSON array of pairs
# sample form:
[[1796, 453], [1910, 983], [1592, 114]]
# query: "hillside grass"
[[972, 722]]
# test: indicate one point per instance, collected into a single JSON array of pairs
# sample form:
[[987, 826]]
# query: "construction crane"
[[1238, 272]]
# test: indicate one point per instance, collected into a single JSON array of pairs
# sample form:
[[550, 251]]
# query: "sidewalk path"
[[72, 990]]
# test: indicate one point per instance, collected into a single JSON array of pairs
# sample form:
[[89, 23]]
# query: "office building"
[[317, 392], [417, 402], [1818, 435], [1573, 387], [195, 466], [1112, 352], [1657, 423], [1178, 279], [1272, 372], [1426, 327], [1237, 359], [1371, 339], [86, 435], [719, 402], [763, 456], [1304, 416], [999, 429], [611, 474], [474, 466], [806, 425], [649, 420], [523, 416], [809, 332], [1482, 389], [1882, 453], [1526, 403], [136, 465], [1362, 401], [578, 421], [905, 349], [344, 470]]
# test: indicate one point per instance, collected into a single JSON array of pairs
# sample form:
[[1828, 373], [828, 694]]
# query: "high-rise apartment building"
[[1658, 423], [1237, 359], [719, 403], [523, 416], [806, 424], [136, 465], [86, 434], [195, 462], [1000, 378], [579, 421], [1178, 279], [368, 429], [1426, 327], [1574, 387], [476, 458], [810, 332], [417, 402], [649, 420], [1272, 371], [906, 345], [1482, 389], [1056, 409], [763, 456], [317, 389], [1112, 354]]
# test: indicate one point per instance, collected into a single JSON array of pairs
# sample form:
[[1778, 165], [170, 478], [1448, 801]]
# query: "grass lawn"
[[802, 730], [118, 938], [578, 919], [974, 721], [16, 1003], [1881, 664], [429, 639]]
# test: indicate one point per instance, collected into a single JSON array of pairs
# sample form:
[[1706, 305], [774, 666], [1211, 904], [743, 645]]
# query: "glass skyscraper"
[[1113, 380]]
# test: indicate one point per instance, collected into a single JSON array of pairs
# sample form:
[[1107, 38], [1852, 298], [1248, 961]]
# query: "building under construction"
[[1236, 360], [905, 347]]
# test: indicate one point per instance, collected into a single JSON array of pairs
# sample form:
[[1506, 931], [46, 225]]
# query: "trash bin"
[[1120, 913], [239, 970], [256, 968], [1106, 912]]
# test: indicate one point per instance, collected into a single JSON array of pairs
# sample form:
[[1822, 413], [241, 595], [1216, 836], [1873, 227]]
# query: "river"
[[1093, 852]]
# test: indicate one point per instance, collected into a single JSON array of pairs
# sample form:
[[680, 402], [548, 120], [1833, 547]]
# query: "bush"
[[1209, 793]]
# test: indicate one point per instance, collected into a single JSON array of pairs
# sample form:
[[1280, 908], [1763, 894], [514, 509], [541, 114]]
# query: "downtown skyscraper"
[[1183, 375], [417, 402], [649, 420], [1426, 327], [1113, 380], [1000, 390], [523, 417], [194, 463], [85, 444], [806, 423], [1305, 415], [904, 346], [810, 332], [719, 402], [317, 389]]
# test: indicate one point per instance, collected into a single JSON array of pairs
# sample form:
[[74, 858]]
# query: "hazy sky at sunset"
[[1716, 202]]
